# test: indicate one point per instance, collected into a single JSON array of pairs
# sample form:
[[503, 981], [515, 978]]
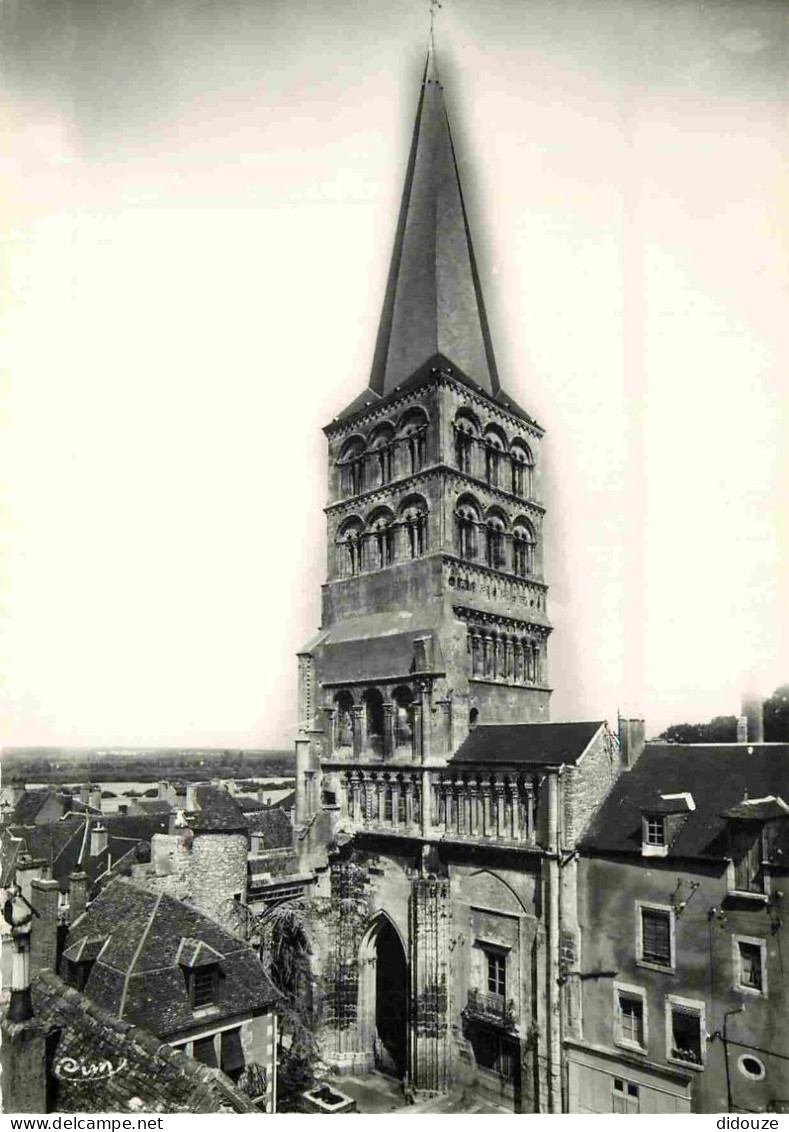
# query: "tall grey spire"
[[433, 302]]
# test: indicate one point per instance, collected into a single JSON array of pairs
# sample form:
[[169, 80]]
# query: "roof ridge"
[[136, 955]]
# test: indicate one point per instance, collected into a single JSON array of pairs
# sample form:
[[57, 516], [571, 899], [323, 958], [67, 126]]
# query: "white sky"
[[203, 208]]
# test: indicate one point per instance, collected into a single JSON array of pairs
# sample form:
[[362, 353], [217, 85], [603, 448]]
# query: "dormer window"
[[80, 958], [662, 821], [654, 830], [200, 965], [748, 825], [203, 987]]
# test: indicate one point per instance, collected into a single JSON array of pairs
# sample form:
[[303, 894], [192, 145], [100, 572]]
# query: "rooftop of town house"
[[138, 974], [720, 777], [136, 1066], [273, 825], [216, 811], [528, 744], [65, 845]]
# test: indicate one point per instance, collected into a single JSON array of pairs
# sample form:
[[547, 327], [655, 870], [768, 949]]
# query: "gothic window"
[[494, 456], [413, 431], [466, 523], [344, 704], [522, 548], [350, 547], [381, 539], [495, 554], [352, 467], [522, 465]]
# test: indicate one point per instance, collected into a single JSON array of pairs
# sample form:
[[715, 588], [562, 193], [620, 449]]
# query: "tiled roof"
[[153, 806], [758, 809], [538, 744], [718, 776], [274, 825], [29, 805], [138, 974], [63, 843], [216, 811], [160, 1078]]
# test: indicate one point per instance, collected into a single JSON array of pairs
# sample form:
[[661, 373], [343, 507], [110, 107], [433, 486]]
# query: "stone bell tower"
[[434, 620], [434, 612]]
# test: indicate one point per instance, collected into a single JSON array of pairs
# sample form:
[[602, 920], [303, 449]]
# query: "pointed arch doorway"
[[383, 996]]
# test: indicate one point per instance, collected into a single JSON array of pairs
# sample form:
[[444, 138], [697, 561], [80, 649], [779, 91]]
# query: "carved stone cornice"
[[482, 487], [479, 617], [379, 494], [528, 582], [372, 414]]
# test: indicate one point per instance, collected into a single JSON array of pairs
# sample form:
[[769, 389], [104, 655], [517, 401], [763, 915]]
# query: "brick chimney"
[[632, 736], [78, 895], [98, 839], [94, 797], [44, 934]]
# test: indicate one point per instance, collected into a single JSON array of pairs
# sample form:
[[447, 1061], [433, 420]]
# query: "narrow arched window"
[[495, 555], [352, 467], [381, 539], [414, 522], [466, 527], [494, 455], [522, 464], [413, 432], [522, 550]]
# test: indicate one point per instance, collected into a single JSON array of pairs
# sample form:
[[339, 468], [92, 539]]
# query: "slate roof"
[[32, 802], [138, 976], [286, 803], [717, 775], [216, 811], [153, 806], [163, 1079], [61, 843], [534, 744], [275, 826]]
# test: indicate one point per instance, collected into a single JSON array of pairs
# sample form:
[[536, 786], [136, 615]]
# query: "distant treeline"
[[71, 764], [723, 728]]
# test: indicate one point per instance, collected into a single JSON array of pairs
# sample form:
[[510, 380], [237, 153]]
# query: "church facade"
[[437, 807]]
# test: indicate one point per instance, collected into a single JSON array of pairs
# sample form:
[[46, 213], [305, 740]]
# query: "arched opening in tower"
[[391, 993]]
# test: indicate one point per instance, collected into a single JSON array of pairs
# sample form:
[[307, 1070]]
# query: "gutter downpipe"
[[554, 905]]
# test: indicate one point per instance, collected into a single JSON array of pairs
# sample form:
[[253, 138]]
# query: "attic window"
[[203, 987], [654, 829]]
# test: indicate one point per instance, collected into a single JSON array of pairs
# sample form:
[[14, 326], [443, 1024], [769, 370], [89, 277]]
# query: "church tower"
[[434, 799], [434, 610]]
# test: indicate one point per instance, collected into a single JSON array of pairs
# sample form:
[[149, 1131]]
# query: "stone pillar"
[[426, 720], [446, 725], [416, 730], [368, 797], [302, 786], [330, 730], [396, 788], [516, 809], [487, 824], [487, 665], [508, 666], [530, 814], [381, 787], [356, 794], [498, 786], [44, 933], [473, 793], [428, 1069], [78, 896], [389, 730], [359, 726]]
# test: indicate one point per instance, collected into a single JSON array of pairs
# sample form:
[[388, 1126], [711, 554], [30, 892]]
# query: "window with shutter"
[[656, 937]]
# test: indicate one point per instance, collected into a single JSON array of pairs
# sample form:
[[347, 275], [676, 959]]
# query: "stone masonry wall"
[[586, 785]]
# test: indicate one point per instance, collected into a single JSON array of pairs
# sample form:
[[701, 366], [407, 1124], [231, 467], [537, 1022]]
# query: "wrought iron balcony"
[[494, 1009]]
